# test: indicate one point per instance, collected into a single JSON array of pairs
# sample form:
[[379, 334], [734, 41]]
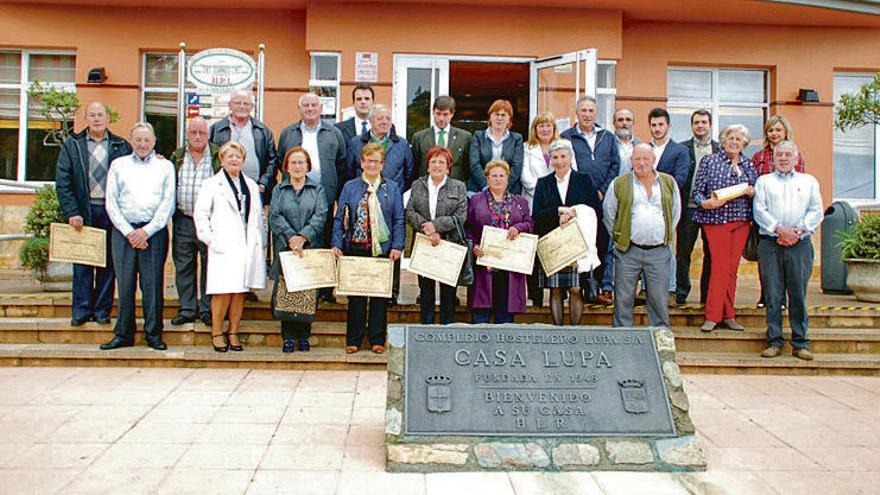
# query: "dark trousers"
[[147, 265], [359, 323], [500, 283], [427, 292], [295, 330], [594, 283], [93, 286], [186, 250], [786, 270], [687, 232]]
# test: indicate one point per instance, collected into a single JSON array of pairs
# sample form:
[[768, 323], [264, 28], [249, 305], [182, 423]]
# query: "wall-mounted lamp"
[[97, 75], [808, 96]]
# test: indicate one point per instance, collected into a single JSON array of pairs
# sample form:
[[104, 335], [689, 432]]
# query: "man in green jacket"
[[192, 164], [641, 210]]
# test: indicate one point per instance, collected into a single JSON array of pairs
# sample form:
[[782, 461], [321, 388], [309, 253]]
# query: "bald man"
[[81, 185]]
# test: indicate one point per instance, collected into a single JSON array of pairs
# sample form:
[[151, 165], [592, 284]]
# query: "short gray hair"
[[197, 118], [561, 145], [378, 107], [786, 143], [739, 128], [307, 95], [143, 126], [243, 92], [584, 98]]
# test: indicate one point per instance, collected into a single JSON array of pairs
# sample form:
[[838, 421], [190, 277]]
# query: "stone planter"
[[56, 277], [863, 277]]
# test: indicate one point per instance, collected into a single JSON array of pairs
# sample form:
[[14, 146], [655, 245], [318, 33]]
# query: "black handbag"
[[466, 277], [750, 251], [299, 306]]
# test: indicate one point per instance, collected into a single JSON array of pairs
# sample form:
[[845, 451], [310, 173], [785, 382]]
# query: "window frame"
[[22, 86], [715, 103], [608, 91], [326, 83], [856, 202]]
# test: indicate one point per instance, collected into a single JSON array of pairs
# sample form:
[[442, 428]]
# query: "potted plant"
[[860, 250], [34, 253]]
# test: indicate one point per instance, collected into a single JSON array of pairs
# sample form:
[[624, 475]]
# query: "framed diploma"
[[441, 262], [501, 253], [363, 276], [732, 192], [316, 269], [561, 247], [86, 247]]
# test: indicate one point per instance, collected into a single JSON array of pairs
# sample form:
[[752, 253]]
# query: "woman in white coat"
[[229, 219], [536, 164]]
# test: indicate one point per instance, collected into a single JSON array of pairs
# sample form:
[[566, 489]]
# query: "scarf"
[[499, 211], [379, 232]]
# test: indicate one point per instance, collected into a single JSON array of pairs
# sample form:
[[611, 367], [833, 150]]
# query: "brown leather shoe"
[[671, 301], [771, 351], [378, 349], [804, 354], [605, 298], [733, 325]]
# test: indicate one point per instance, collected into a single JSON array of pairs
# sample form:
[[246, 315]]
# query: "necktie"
[[363, 126], [441, 140]]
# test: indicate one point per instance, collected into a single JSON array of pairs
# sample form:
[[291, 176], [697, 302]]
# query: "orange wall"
[[115, 39], [796, 57]]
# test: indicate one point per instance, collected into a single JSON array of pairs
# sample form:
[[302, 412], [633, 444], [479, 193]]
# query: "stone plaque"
[[485, 380]]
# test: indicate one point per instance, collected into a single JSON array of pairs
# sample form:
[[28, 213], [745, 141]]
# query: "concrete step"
[[754, 340], [863, 316], [255, 357], [753, 364]]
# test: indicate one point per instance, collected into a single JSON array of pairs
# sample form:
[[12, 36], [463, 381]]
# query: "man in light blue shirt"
[[787, 208], [140, 202]]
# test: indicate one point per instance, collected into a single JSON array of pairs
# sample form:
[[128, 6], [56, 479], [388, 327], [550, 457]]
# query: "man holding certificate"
[[555, 197], [81, 185], [436, 203], [369, 223], [497, 294], [642, 209]]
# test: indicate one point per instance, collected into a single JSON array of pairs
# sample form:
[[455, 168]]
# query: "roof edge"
[[871, 7]]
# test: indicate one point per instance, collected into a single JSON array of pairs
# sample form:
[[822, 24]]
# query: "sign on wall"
[[221, 70], [366, 67]]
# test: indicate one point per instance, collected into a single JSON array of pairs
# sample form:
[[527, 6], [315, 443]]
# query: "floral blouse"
[[360, 232], [716, 172]]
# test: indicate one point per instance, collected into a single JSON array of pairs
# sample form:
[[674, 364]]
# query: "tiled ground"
[[130, 431]]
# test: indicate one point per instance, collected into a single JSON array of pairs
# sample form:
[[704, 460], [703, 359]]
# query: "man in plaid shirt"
[[193, 164]]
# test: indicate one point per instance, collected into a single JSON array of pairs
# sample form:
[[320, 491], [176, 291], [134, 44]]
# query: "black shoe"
[[236, 348], [303, 345], [102, 320], [393, 301], [223, 348], [181, 319], [206, 319], [78, 322], [157, 344], [115, 343], [680, 300], [251, 296], [289, 346]]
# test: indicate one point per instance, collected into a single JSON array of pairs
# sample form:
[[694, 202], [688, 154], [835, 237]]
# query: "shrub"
[[862, 240], [34, 253]]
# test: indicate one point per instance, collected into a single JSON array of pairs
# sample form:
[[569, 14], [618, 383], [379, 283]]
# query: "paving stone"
[[575, 454], [683, 451], [672, 373], [429, 454], [393, 421], [629, 452], [511, 455]]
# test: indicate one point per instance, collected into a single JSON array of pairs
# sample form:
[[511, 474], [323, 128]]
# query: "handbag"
[[300, 306], [750, 251], [466, 277]]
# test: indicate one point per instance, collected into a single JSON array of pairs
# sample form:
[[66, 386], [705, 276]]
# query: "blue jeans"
[[93, 286]]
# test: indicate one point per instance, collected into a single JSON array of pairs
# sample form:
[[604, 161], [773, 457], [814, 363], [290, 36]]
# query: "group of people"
[[341, 186]]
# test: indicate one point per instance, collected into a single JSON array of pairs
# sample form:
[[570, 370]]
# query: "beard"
[[623, 133]]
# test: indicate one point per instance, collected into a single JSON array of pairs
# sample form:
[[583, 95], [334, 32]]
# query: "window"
[[733, 96], [855, 151], [23, 156], [324, 81], [160, 99], [606, 92]]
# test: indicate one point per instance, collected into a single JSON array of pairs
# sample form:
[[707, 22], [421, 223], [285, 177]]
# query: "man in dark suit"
[[698, 146], [362, 97], [670, 158], [81, 182], [443, 134]]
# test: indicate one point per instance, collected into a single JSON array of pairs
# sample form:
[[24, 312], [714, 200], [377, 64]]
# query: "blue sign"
[[192, 99]]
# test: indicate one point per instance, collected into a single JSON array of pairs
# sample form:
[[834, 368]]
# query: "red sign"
[[192, 111]]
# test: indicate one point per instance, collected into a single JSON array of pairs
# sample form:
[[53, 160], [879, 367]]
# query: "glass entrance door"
[[558, 81], [418, 79]]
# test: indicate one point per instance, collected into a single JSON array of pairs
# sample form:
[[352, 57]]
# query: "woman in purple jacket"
[[497, 292]]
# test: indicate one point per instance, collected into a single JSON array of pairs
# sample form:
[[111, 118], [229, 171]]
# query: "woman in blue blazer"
[[497, 142], [555, 194], [369, 222]]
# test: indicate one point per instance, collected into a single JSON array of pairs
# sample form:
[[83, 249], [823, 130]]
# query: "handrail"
[[15, 237]]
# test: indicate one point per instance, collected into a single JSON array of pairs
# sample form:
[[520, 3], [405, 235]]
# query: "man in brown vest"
[[641, 210]]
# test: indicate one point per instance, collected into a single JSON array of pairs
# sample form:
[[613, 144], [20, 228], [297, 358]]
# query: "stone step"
[[754, 340], [862, 316], [753, 364], [199, 356]]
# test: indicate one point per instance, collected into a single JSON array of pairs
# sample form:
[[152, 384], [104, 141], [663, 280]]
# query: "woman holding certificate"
[[297, 216], [726, 220], [496, 294], [555, 198], [369, 223], [228, 216], [436, 203]]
